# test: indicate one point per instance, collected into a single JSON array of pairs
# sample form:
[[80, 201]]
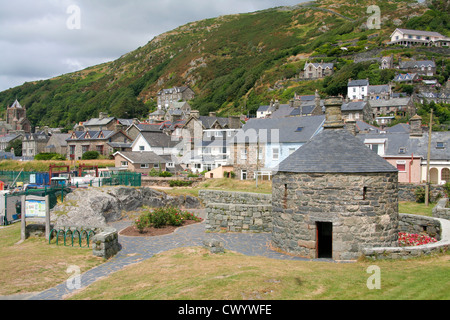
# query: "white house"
[[409, 37], [357, 89]]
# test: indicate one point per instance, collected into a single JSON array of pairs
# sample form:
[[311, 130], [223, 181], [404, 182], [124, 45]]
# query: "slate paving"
[[137, 249]]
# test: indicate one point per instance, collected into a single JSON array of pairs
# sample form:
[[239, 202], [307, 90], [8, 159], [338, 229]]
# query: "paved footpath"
[[137, 249]]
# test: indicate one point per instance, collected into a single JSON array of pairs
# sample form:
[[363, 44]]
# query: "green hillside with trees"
[[238, 62]]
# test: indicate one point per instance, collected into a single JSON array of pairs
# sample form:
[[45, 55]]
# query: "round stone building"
[[334, 196]]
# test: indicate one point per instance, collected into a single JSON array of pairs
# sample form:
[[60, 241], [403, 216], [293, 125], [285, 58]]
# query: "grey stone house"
[[334, 196]]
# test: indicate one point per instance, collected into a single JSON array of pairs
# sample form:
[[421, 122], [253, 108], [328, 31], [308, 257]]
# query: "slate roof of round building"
[[335, 151]]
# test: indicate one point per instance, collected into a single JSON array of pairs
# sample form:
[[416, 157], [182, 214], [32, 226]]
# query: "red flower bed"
[[412, 239]]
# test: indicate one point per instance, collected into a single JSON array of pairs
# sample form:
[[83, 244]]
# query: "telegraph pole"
[[427, 184]]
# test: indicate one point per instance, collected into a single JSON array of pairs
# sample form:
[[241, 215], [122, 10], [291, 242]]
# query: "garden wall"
[[441, 210], [406, 191], [237, 211], [412, 223]]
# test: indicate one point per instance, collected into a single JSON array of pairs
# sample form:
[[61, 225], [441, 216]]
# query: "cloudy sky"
[[45, 38]]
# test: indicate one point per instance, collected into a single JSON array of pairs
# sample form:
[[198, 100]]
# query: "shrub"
[[446, 187], [165, 174], [161, 217], [420, 195], [90, 155], [180, 183], [49, 156]]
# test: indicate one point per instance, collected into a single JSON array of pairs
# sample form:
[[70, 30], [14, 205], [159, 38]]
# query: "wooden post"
[[427, 183]]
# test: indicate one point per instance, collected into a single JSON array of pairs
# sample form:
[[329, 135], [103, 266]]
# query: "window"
[[401, 166], [291, 151], [124, 164], [275, 153], [439, 145], [170, 165], [156, 165], [402, 150], [141, 148], [445, 175], [144, 166], [299, 129], [244, 154], [260, 153], [100, 149]]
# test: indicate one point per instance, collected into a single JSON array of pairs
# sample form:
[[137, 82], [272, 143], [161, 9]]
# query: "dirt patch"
[[132, 231]]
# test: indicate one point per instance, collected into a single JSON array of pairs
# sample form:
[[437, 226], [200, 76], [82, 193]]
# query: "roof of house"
[[416, 64], [405, 77], [92, 135], [357, 83], [335, 151], [379, 88], [418, 146], [284, 130], [159, 139], [98, 121], [353, 106], [394, 102], [420, 32], [139, 157], [322, 65]]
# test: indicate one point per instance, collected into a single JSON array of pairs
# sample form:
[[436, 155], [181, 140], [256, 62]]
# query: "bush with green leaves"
[[90, 155], [166, 216]]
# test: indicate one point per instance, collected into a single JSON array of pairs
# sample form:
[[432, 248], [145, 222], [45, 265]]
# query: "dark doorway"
[[324, 239]]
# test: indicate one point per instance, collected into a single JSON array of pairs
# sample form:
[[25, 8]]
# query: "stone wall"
[[411, 223], [363, 210], [406, 191], [441, 246], [237, 211], [106, 243], [441, 210]]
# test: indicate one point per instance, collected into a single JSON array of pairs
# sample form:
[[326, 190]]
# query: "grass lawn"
[[416, 208], [194, 273], [34, 265], [225, 185]]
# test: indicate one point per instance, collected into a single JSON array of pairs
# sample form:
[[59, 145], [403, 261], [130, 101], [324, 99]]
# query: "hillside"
[[234, 63]]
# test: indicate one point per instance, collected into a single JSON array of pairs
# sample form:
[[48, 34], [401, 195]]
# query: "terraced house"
[[105, 142]]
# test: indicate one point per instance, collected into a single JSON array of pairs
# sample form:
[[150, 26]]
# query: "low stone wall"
[[237, 211], [409, 224], [406, 191], [106, 243], [441, 210]]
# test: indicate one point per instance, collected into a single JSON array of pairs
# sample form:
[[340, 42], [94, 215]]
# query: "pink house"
[[409, 168]]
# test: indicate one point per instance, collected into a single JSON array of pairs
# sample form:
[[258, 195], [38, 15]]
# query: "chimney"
[[195, 113], [415, 126], [234, 122], [333, 113], [102, 115], [350, 125], [212, 114]]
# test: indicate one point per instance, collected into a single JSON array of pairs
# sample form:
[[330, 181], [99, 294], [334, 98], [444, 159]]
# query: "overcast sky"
[[46, 38]]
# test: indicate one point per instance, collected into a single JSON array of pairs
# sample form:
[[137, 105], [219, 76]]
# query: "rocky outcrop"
[[96, 207]]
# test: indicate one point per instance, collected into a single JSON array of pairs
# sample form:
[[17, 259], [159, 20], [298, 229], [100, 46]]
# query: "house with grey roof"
[[395, 106], [57, 143], [313, 70], [34, 143], [105, 142], [157, 142], [408, 37], [262, 144], [407, 149], [166, 97], [406, 77], [383, 91], [357, 110], [357, 89], [141, 162], [5, 140], [421, 67]]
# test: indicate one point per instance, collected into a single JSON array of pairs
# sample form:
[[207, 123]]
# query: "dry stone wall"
[[237, 211]]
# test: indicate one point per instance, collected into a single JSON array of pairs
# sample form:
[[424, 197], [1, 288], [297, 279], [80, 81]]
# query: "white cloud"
[[38, 42]]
